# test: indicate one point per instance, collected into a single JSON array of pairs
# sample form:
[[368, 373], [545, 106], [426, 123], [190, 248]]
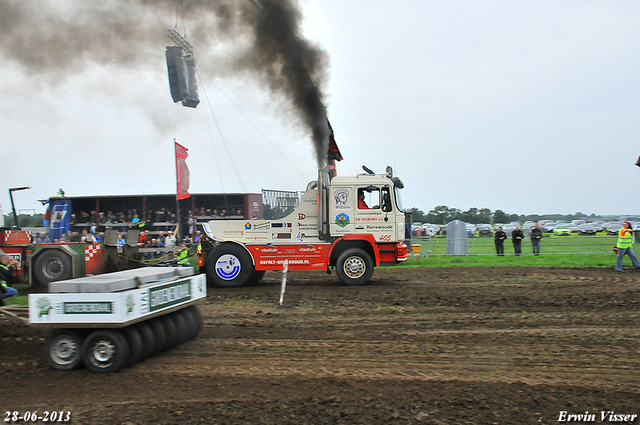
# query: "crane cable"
[[224, 142], [257, 129]]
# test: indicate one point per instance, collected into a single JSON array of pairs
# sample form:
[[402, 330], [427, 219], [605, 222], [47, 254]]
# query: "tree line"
[[443, 215]]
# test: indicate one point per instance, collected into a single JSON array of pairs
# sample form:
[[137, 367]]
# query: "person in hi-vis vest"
[[625, 242], [7, 269]]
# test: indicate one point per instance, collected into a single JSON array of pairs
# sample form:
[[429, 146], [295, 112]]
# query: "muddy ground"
[[415, 346]]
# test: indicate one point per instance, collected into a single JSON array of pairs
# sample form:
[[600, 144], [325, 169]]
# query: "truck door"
[[373, 212]]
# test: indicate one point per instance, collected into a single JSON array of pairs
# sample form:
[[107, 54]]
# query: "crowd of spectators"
[[162, 219], [156, 229]]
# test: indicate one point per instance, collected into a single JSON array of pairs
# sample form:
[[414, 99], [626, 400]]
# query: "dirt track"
[[432, 346]]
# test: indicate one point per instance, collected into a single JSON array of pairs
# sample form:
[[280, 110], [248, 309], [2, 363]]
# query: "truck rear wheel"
[[51, 266], [229, 266], [105, 351], [63, 349], [354, 267], [257, 276]]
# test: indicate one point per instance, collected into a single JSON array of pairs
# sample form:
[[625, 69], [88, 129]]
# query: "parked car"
[[431, 229], [596, 226], [547, 226], [484, 230], [528, 225], [471, 229], [508, 228], [587, 229], [562, 229], [578, 222], [497, 225], [614, 228], [573, 227]]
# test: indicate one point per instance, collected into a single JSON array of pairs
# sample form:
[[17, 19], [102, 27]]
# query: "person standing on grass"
[[499, 238], [625, 242], [517, 237], [536, 235]]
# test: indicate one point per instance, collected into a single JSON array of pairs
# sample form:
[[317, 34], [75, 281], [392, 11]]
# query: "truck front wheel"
[[229, 265], [354, 267]]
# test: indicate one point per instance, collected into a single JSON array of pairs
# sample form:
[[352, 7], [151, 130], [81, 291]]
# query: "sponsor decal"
[[368, 219], [269, 249], [247, 226], [261, 225], [278, 225], [342, 197], [17, 237], [342, 219], [228, 267], [308, 225], [168, 295], [233, 232], [302, 217], [379, 227], [17, 257], [44, 306], [313, 201], [281, 235], [276, 262], [308, 249], [101, 307], [256, 238], [299, 237]]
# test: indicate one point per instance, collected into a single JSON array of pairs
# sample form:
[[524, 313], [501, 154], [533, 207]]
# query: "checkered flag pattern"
[[90, 250]]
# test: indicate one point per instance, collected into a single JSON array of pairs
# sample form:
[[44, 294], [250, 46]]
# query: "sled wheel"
[[134, 340], [354, 267], [159, 335], [182, 327], [105, 351], [170, 330], [191, 323], [229, 266], [148, 339], [63, 348], [198, 320]]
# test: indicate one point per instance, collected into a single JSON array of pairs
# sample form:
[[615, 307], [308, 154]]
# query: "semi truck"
[[349, 223]]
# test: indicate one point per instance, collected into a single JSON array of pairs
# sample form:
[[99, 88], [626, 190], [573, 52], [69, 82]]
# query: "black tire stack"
[[109, 350]]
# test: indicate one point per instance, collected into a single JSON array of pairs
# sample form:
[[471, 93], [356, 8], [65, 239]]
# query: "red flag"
[[182, 171]]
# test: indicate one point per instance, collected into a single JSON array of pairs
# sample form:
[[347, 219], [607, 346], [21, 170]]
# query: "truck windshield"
[[398, 199]]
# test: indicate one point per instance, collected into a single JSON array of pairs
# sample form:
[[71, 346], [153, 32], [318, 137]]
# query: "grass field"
[[556, 251]]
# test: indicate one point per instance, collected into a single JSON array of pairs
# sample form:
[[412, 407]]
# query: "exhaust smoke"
[[55, 40]]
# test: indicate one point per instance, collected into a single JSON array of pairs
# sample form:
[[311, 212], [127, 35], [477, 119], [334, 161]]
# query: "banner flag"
[[60, 218], [182, 171]]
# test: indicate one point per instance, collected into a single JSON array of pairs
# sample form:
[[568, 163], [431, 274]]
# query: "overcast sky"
[[525, 106]]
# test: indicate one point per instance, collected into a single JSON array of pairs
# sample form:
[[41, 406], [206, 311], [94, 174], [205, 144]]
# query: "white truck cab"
[[352, 223]]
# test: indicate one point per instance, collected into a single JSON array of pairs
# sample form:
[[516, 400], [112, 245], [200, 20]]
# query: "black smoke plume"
[[55, 40]]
